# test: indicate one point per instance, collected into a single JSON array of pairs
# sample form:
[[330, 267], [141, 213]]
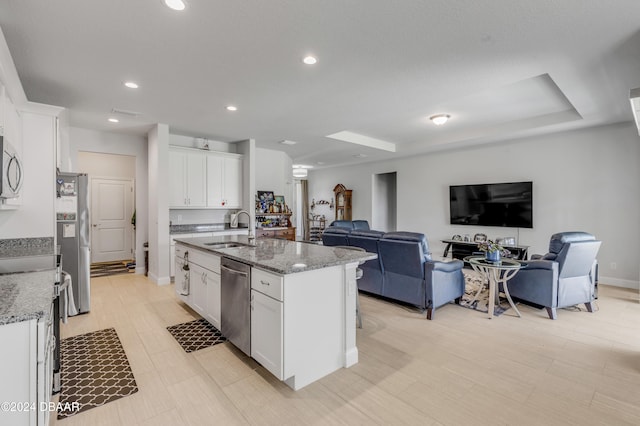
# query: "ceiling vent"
[[634, 97], [125, 112]]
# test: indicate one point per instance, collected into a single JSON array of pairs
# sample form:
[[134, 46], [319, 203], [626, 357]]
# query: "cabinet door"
[[177, 179], [212, 306], [196, 180], [267, 335], [233, 182], [198, 288], [215, 171]]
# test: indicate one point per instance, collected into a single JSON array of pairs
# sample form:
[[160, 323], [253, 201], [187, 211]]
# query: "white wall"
[[274, 173], [158, 198], [587, 180], [36, 216], [93, 141], [107, 165]]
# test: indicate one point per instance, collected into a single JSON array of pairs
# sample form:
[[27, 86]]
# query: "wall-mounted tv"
[[493, 204]]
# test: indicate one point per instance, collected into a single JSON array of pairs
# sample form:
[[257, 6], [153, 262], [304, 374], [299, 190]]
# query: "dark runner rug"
[[472, 283], [94, 371], [109, 268], [195, 335]]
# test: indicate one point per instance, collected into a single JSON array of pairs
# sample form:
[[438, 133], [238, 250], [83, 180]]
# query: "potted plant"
[[493, 251]]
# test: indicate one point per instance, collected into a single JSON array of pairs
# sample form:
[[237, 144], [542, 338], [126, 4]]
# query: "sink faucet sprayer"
[[250, 236]]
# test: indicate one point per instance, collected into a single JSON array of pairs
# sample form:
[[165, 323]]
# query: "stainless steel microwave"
[[12, 175]]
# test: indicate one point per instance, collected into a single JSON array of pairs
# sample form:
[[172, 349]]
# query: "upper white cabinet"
[[187, 178], [204, 179], [10, 121], [224, 180]]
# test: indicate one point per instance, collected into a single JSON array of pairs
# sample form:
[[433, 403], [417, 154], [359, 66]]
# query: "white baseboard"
[[617, 282], [159, 280], [140, 270]]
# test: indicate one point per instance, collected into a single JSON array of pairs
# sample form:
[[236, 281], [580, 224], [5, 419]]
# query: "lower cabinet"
[[204, 284], [267, 332], [26, 372]]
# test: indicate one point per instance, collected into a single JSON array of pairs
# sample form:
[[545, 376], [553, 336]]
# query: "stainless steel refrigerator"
[[72, 216]]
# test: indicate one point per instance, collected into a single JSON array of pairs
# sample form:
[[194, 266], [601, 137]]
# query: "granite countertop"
[[280, 256], [203, 227], [25, 296]]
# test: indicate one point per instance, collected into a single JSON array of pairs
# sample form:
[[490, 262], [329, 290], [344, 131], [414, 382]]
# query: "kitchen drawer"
[[269, 233], [288, 234], [267, 283], [180, 249], [208, 261]]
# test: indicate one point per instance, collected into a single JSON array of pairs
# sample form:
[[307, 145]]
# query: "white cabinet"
[[26, 371], [187, 178], [267, 336], [198, 288], [204, 283], [224, 180]]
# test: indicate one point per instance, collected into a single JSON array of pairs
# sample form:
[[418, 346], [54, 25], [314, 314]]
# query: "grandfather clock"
[[343, 202]]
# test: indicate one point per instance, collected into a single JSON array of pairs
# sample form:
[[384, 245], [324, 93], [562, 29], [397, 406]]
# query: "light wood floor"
[[460, 369]]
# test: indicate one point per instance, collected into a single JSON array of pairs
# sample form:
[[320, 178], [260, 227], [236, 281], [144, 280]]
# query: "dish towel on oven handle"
[[67, 303]]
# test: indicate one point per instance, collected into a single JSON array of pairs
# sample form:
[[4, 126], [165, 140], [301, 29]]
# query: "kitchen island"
[[302, 300]]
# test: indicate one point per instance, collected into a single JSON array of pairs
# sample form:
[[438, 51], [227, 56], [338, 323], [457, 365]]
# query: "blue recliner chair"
[[351, 224], [372, 278], [335, 236], [411, 276], [563, 277]]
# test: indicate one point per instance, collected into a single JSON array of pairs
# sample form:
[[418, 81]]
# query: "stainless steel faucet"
[[250, 235]]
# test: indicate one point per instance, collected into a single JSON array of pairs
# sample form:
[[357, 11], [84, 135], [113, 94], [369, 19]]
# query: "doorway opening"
[[384, 199], [112, 211]]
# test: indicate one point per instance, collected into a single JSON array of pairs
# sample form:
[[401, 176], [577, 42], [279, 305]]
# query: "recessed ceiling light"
[[360, 155], [310, 60], [175, 4], [320, 163], [114, 120], [440, 119], [131, 84], [286, 142], [232, 108]]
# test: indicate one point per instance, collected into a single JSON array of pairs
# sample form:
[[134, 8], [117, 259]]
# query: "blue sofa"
[[404, 270]]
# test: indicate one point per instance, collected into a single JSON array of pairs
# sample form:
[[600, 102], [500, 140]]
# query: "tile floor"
[[460, 369]]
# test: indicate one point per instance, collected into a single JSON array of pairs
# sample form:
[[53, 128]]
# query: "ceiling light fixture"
[[300, 173], [310, 60], [440, 119], [175, 4], [131, 84], [360, 155], [300, 170], [232, 108], [286, 142], [114, 120]]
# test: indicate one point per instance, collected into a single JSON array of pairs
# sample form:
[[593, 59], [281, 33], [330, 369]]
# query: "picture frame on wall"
[[279, 199]]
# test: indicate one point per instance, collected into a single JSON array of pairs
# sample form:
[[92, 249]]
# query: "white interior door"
[[111, 212]]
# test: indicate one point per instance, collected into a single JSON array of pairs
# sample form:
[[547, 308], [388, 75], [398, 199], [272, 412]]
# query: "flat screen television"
[[492, 204]]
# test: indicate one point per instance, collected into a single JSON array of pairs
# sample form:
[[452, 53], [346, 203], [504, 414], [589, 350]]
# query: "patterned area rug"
[[195, 335], [94, 370], [472, 283], [110, 268]]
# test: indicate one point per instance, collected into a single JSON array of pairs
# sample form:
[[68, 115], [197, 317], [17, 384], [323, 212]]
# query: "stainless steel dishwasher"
[[235, 311]]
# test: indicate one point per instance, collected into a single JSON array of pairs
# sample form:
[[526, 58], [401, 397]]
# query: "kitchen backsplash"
[[188, 217]]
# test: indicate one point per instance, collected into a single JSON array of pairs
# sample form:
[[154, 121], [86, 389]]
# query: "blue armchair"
[[411, 276], [335, 236], [372, 279], [351, 224], [563, 277]]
